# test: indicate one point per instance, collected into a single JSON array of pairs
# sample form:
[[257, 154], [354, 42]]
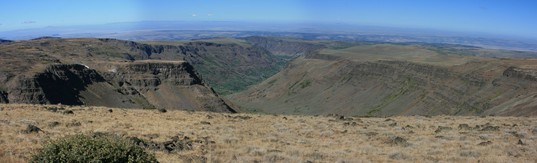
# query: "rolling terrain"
[[184, 136], [398, 99], [321, 77], [379, 79]]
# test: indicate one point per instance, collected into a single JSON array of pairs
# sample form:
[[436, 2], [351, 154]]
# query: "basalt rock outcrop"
[[59, 83], [285, 47], [144, 84], [165, 84], [227, 68], [104, 72]]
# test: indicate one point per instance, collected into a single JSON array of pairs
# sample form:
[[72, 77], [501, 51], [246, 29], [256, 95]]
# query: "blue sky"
[[510, 17]]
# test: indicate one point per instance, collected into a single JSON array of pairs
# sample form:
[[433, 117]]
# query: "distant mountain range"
[[187, 30]]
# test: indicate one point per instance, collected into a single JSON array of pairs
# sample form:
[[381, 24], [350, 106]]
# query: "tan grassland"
[[280, 138]]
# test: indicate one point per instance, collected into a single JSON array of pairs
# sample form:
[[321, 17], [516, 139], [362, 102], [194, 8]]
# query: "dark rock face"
[[225, 67], [3, 97], [284, 47], [156, 79], [116, 73], [26, 90], [518, 73], [228, 67], [150, 75], [62, 83], [57, 84], [135, 82], [5, 41]]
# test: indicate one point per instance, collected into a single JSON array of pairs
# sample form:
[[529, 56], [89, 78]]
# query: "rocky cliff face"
[[284, 47], [225, 67], [56, 84], [231, 68], [128, 84], [148, 75], [165, 84], [105, 72]]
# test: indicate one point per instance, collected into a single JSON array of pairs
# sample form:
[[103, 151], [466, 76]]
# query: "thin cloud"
[[209, 14], [194, 15], [28, 22]]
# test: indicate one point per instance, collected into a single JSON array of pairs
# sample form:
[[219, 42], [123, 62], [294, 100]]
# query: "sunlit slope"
[[385, 79], [409, 53], [186, 136]]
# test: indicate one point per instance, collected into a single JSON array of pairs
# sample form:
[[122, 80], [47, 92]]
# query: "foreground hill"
[[181, 136], [376, 79]]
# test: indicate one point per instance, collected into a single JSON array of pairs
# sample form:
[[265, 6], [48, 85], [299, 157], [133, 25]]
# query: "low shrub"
[[95, 148]]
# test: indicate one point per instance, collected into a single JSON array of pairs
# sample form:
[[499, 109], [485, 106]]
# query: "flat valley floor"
[[217, 137]]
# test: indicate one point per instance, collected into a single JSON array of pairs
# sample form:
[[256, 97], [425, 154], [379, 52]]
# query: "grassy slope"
[[351, 80], [398, 52], [227, 80], [277, 138], [31, 56]]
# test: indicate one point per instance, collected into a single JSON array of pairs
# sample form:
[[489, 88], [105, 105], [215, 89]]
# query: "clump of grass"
[[305, 83], [97, 148]]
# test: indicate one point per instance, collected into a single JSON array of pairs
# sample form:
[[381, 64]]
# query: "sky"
[[507, 17]]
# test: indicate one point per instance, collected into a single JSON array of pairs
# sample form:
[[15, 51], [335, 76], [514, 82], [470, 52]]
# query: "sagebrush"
[[92, 148]]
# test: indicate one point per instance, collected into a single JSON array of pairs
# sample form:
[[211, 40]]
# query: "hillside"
[[379, 79], [285, 46], [356, 78], [228, 65], [181, 136], [115, 73]]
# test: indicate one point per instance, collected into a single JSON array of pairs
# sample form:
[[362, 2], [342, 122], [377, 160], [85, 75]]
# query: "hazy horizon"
[[508, 18]]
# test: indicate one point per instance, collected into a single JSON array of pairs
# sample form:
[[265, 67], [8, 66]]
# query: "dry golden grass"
[[279, 138]]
